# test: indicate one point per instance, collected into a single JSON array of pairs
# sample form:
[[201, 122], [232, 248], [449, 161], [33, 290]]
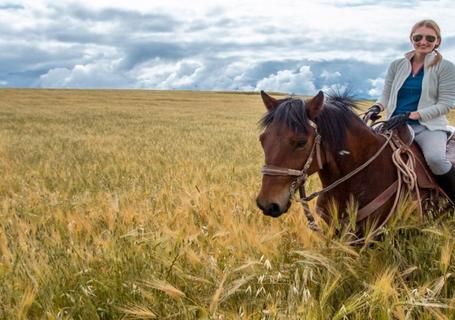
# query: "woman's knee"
[[438, 165]]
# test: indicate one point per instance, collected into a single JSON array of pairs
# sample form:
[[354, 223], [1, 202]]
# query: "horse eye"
[[301, 144]]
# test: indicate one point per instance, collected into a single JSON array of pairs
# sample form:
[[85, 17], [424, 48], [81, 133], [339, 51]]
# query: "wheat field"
[[119, 204]]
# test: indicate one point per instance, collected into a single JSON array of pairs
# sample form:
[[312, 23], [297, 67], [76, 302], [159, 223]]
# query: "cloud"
[[102, 74], [330, 75], [377, 85], [336, 88], [127, 19], [299, 82], [11, 6], [216, 45], [182, 75]]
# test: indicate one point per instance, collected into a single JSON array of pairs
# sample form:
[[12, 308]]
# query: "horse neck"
[[367, 184], [361, 144]]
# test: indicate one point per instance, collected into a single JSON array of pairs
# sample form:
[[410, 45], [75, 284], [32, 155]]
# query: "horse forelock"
[[291, 113]]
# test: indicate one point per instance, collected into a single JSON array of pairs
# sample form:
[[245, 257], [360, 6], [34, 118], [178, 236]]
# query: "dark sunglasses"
[[418, 37]]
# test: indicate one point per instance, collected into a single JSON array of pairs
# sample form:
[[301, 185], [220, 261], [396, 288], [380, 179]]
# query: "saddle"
[[425, 177]]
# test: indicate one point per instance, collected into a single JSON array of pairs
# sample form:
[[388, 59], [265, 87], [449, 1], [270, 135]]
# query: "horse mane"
[[335, 118]]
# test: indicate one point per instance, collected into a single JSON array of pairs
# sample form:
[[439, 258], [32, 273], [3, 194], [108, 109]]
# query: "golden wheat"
[[140, 205]]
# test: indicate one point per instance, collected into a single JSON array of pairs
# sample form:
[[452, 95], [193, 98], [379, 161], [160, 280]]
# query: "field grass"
[[140, 205]]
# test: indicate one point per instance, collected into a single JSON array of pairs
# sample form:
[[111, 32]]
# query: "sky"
[[296, 47]]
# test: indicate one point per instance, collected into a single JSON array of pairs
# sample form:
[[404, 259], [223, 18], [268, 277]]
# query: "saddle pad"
[[424, 176]]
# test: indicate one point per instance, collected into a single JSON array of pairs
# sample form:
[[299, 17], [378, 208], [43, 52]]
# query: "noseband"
[[300, 175]]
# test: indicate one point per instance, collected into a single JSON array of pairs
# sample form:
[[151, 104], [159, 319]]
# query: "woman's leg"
[[433, 145]]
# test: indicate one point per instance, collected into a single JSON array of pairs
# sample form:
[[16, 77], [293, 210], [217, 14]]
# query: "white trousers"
[[433, 145]]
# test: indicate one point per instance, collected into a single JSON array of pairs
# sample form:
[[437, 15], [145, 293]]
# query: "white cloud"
[[326, 75], [160, 75], [100, 74], [300, 82], [335, 88], [377, 85]]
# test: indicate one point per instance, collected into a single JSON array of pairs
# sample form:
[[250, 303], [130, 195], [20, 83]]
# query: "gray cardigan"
[[438, 90]]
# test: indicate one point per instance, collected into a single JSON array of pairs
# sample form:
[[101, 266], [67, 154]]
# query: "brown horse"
[[295, 129]]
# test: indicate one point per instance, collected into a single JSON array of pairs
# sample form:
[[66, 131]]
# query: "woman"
[[420, 89]]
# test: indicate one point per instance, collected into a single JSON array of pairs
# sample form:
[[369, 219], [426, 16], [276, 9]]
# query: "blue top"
[[409, 95]]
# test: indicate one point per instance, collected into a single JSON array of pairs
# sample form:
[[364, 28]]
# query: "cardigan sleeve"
[[446, 94], [390, 75]]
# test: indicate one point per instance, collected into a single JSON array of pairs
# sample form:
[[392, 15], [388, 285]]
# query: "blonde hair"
[[428, 23]]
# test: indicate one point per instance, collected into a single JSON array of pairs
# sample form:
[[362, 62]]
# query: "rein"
[[350, 174]]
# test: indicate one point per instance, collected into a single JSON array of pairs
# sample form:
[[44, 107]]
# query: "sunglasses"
[[418, 37]]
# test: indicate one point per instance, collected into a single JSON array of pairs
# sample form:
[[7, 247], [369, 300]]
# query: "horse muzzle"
[[272, 209]]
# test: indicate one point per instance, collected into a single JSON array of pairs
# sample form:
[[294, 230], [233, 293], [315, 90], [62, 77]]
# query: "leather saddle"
[[425, 178]]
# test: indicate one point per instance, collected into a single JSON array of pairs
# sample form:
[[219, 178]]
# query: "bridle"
[[300, 175]]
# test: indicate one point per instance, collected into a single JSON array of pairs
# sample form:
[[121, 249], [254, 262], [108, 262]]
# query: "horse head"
[[288, 141]]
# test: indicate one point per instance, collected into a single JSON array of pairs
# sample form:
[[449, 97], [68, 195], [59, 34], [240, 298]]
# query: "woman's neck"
[[419, 58]]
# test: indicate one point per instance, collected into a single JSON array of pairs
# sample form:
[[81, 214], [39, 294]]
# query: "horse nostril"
[[273, 209]]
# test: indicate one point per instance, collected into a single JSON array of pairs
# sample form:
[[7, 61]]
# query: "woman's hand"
[[396, 121], [414, 115], [373, 113]]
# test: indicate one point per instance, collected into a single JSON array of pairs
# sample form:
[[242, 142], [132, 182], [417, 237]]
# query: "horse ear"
[[269, 102], [315, 105]]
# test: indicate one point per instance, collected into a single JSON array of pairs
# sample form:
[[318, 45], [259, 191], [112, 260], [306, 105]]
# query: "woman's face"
[[424, 40]]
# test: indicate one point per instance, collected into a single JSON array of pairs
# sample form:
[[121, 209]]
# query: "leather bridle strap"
[[300, 175], [271, 170]]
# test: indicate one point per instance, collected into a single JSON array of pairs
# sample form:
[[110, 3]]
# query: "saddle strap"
[[367, 210], [379, 201]]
